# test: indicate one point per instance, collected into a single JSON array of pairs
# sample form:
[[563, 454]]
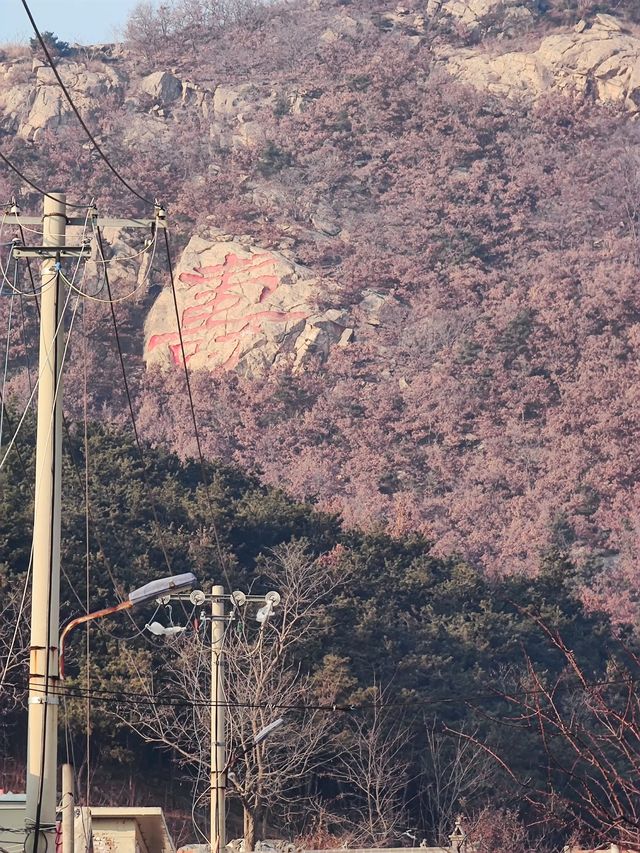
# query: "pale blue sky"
[[85, 21]]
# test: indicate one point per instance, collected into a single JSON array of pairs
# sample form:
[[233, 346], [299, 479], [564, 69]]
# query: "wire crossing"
[[81, 121]]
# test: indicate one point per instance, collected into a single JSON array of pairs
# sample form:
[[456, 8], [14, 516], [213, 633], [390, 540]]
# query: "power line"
[[205, 480], [72, 457], [132, 698], [59, 330], [151, 247], [91, 137], [130, 406], [38, 823], [7, 344], [31, 183], [9, 420]]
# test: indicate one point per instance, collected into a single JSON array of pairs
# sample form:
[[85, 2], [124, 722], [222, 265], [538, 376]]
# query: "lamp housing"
[[162, 586]]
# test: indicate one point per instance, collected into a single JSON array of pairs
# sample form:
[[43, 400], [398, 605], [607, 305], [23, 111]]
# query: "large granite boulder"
[[601, 60], [241, 308], [162, 86]]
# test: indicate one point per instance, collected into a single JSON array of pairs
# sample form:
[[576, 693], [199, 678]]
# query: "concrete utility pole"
[[68, 809], [218, 749], [43, 661], [42, 732], [219, 764]]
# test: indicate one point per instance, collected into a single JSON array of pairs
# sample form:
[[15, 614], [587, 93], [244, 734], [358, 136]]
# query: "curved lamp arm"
[[89, 617], [151, 590]]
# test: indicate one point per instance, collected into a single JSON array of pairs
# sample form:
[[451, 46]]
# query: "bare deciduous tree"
[[150, 28], [454, 770], [588, 745], [14, 644], [372, 767], [264, 680]]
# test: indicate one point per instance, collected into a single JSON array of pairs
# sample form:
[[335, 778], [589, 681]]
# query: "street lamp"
[[219, 763], [141, 595], [263, 734]]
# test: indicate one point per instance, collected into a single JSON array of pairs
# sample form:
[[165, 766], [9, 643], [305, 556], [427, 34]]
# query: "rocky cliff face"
[[242, 308], [598, 59], [506, 17], [32, 101]]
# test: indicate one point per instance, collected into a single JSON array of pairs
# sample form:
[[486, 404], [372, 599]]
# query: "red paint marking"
[[219, 298], [158, 340], [223, 300], [191, 315]]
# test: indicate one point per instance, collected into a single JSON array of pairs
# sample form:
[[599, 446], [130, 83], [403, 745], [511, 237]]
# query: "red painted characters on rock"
[[225, 305]]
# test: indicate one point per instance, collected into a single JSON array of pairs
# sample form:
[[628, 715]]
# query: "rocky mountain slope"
[[408, 280]]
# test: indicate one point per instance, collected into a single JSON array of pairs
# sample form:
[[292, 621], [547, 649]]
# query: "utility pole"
[[217, 700], [68, 809], [42, 729], [43, 660], [218, 735]]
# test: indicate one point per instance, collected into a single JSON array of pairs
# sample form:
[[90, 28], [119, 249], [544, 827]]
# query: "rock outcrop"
[[241, 308], [162, 86], [505, 16], [601, 60], [33, 107]]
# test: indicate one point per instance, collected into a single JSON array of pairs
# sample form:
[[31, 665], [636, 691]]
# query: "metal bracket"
[[81, 221], [44, 700], [52, 252]]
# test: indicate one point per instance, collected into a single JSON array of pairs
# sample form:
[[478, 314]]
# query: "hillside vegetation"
[[403, 650]]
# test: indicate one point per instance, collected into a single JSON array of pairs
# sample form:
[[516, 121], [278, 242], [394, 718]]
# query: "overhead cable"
[[6, 351], [104, 261], [32, 184], [131, 412], [37, 382], [74, 462], [39, 826], [53, 345], [205, 479], [132, 698], [91, 137]]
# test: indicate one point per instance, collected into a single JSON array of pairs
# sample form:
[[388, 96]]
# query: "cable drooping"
[[131, 412], [35, 386], [37, 828], [53, 345], [31, 183], [3, 270], [125, 697], [72, 456], [23, 601], [65, 91], [104, 261], [4, 415], [205, 479], [58, 374]]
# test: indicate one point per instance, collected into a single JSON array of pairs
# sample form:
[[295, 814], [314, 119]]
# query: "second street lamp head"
[[162, 631], [272, 600], [267, 730], [162, 586]]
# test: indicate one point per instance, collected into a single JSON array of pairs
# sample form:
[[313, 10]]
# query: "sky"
[[84, 21]]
